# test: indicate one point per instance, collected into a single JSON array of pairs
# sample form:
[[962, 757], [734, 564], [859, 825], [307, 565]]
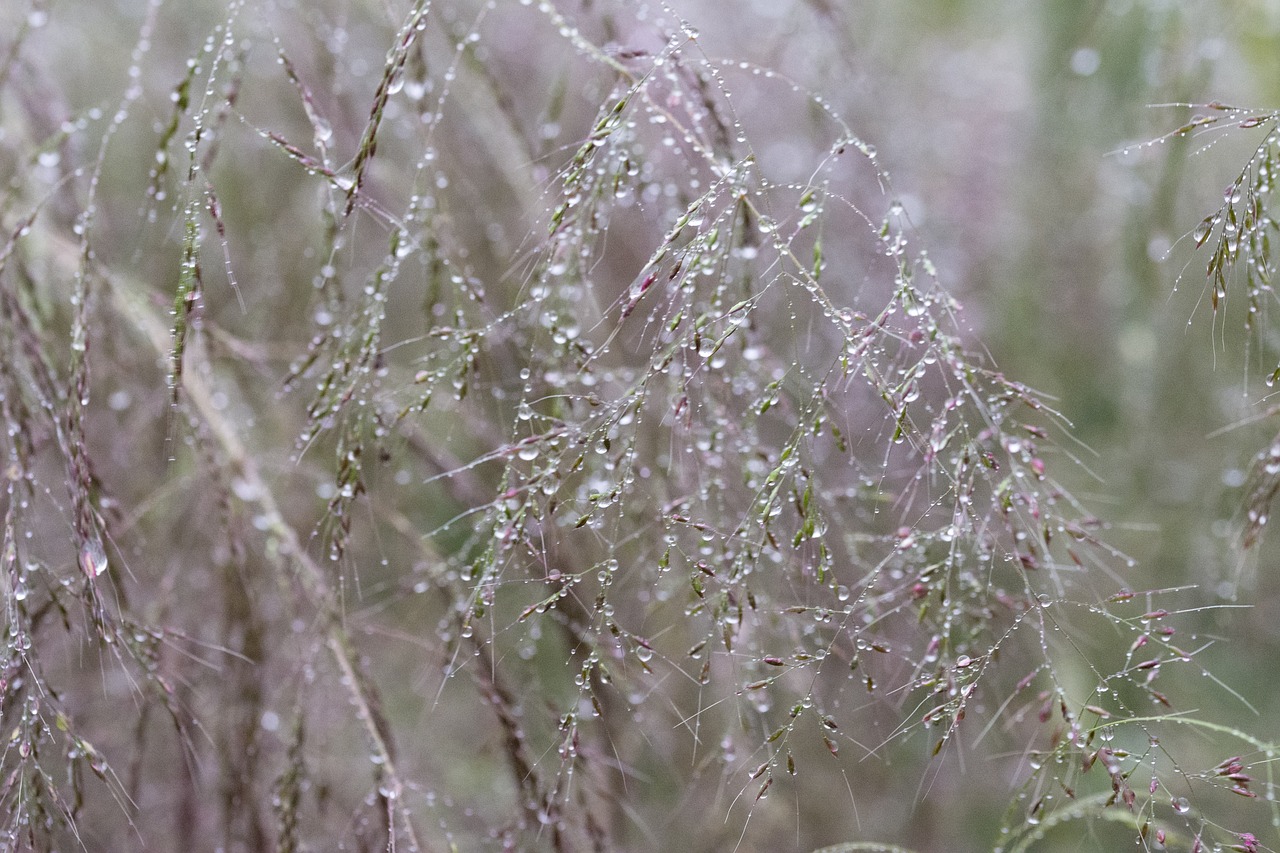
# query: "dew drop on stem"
[[93, 559]]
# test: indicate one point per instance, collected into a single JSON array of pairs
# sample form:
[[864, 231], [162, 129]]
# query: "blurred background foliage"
[[1023, 145]]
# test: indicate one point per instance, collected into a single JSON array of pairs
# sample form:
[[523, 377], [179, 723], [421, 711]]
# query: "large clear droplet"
[[93, 559]]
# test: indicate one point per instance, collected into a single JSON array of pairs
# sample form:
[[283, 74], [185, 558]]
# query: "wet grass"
[[424, 436]]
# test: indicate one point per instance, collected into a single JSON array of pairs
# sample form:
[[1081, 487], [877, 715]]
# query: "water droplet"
[[93, 559]]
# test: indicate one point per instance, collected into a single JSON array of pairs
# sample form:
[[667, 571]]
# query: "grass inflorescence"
[[550, 458]]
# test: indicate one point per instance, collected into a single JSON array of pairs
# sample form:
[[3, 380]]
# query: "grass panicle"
[[571, 446]]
